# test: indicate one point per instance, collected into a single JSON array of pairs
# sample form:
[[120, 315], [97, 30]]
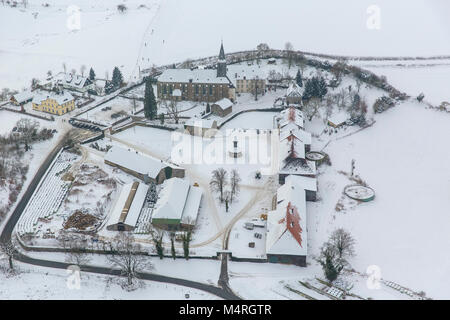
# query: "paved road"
[[10, 224]]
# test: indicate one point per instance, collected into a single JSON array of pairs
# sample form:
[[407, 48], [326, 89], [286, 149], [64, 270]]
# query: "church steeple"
[[222, 63]]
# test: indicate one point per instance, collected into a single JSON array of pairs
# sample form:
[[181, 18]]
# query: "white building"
[[286, 238], [177, 205], [128, 207]]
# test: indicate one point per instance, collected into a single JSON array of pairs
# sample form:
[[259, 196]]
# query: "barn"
[[128, 206], [286, 238], [177, 205], [143, 167]]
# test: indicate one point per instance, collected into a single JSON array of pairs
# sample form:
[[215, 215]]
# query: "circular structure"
[[360, 193], [315, 156]]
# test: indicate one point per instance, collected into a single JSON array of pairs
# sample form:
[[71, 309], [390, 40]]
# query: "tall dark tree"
[[91, 74], [299, 78], [117, 78], [315, 87], [150, 107]]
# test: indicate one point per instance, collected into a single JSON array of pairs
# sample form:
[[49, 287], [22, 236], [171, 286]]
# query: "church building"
[[204, 85]]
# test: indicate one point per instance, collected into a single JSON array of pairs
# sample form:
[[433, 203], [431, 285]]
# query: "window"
[[196, 89], [164, 89], [203, 89], [210, 90], [170, 89]]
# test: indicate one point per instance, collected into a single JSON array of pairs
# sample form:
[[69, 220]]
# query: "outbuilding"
[[222, 107]]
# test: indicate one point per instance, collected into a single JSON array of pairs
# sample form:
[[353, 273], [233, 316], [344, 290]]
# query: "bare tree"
[[219, 181], [126, 256], [262, 47], [82, 70], [343, 243], [235, 179], [64, 65], [7, 248], [172, 110], [77, 253], [289, 48], [312, 108]]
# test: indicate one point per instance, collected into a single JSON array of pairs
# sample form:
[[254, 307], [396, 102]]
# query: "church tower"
[[222, 63]]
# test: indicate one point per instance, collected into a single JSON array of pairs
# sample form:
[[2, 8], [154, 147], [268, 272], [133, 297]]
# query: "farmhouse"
[[247, 79], [74, 82], [286, 238], [143, 167], [197, 127], [222, 107], [22, 98], [128, 206], [207, 85], [292, 160], [177, 205], [55, 102]]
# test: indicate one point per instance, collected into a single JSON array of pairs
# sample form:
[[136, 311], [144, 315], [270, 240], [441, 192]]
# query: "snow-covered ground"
[[166, 31], [37, 283], [404, 157]]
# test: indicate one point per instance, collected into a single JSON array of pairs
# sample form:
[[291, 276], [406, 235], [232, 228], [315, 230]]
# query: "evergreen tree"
[[315, 87], [299, 79], [91, 74], [150, 108], [208, 108], [117, 78]]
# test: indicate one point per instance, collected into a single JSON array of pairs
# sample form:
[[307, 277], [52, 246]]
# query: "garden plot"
[[91, 193], [47, 199]]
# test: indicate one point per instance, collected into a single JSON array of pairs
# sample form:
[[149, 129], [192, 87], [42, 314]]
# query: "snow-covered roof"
[[68, 79], [292, 158], [23, 96], [201, 123], [338, 117], [177, 201], [286, 225], [136, 161], [294, 90], [192, 205], [60, 98], [240, 72], [307, 183], [224, 103], [196, 75], [291, 117], [295, 133], [129, 204]]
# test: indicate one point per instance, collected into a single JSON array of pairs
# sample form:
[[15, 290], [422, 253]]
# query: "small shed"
[[22, 98], [338, 119], [201, 127], [222, 107]]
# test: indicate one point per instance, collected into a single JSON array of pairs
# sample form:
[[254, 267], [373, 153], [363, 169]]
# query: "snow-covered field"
[[404, 157], [166, 31], [37, 283]]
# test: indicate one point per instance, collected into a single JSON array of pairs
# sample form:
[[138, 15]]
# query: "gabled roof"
[[224, 103], [23, 96], [75, 81], [295, 133], [294, 90], [178, 201], [286, 226], [196, 76], [60, 98], [136, 161], [201, 123], [291, 117], [129, 204]]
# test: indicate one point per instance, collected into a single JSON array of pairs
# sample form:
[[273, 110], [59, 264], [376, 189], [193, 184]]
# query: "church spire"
[[222, 63]]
